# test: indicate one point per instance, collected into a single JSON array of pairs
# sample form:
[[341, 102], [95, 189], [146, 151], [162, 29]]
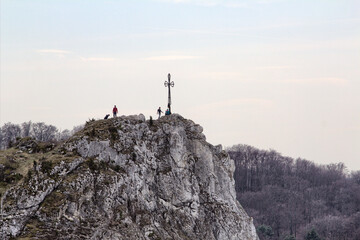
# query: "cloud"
[[235, 103], [170, 58], [53, 51], [223, 75], [211, 3], [243, 101], [231, 107], [270, 1], [236, 5], [99, 59], [225, 3], [62, 53], [279, 67], [325, 80]]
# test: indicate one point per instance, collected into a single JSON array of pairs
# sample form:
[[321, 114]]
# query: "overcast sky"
[[274, 74]]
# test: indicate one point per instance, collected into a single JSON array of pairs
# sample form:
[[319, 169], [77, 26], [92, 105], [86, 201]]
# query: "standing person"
[[115, 111], [159, 112]]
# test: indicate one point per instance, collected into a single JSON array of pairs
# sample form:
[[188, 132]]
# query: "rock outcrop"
[[128, 178]]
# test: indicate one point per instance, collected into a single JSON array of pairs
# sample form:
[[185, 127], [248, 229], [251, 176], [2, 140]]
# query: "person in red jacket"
[[115, 111]]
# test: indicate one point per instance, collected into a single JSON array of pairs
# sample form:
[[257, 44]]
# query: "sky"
[[274, 74]]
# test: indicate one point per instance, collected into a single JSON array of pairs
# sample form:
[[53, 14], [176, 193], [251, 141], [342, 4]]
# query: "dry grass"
[[18, 163], [100, 129]]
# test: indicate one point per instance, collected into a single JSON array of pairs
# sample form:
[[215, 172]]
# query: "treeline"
[[40, 131], [296, 199]]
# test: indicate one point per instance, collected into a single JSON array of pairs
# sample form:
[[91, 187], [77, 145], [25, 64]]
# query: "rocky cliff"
[[126, 178]]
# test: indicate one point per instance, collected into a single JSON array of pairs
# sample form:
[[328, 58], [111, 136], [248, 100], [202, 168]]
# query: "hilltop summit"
[[127, 178]]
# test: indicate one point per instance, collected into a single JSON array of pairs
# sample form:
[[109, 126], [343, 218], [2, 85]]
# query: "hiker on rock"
[[159, 112], [115, 111], [167, 112]]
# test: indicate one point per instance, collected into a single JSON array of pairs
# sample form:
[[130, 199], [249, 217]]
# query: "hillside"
[[123, 178], [295, 198]]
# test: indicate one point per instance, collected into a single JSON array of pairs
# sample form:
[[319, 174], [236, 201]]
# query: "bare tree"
[[76, 129], [63, 135], [43, 132], [9, 134], [26, 129]]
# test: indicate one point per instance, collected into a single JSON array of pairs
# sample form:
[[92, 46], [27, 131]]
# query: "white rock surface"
[[132, 181]]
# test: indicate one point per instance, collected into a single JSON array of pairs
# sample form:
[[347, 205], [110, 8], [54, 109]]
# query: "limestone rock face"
[[130, 179]]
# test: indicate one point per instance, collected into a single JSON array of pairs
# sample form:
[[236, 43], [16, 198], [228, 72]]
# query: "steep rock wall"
[[131, 180]]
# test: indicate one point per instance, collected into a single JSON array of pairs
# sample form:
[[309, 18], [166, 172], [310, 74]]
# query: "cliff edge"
[[128, 178]]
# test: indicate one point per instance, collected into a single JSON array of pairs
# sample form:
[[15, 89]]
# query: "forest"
[[40, 131], [296, 199]]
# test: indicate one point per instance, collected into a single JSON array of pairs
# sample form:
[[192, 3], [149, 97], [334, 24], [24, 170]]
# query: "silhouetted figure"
[[107, 116], [169, 84], [159, 112], [115, 111]]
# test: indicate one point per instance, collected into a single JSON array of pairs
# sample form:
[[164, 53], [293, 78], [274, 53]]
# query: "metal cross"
[[169, 84]]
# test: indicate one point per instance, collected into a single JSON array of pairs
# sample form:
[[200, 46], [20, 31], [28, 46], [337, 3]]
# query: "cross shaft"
[[169, 84]]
